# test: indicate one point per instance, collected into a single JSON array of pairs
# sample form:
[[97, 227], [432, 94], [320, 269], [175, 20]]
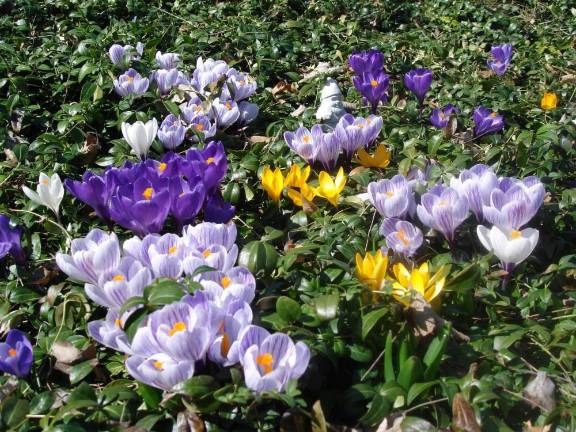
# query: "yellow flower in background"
[[549, 101], [306, 192], [381, 157], [273, 182], [371, 270], [330, 189], [420, 280], [297, 176]]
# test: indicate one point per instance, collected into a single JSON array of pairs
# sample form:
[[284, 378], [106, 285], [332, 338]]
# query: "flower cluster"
[[298, 190], [141, 196], [214, 323], [369, 77], [350, 135]]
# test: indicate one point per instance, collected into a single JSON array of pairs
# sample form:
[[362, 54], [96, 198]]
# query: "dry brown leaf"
[[486, 73], [529, 428], [357, 170], [571, 78], [255, 139], [89, 150], [463, 417], [188, 421], [319, 421], [540, 392], [283, 87], [11, 157], [298, 111]]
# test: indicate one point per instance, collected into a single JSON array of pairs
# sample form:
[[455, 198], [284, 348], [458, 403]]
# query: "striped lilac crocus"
[[225, 112], [171, 132], [476, 185], [329, 147], [418, 81], [238, 86], [91, 256], [305, 142], [166, 79], [444, 210], [131, 82], [501, 58], [10, 241], [393, 198], [237, 283], [270, 361], [487, 121], [167, 60], [248, 112], [110, 331], [236, 316], [121, 56], [401, 236], [359, 131], [207, 73], [16, 354]]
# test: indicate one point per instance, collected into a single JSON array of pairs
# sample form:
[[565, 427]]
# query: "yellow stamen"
[[494, 114], [162, 167], [443, 203], [118, 323], [45, 181], [515, 234], [177, 327], [210, 160], [12, 352], [172, 249], [147, 194], [402, 236], [158, 365], [389, 194], [306, 139], [199, 127], [374, 83], [206, 253], [225, 282], [130, 78], [228, 105], [118, 278], [265, 360]]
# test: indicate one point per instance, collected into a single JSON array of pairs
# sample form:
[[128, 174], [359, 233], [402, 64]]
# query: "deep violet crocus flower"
[[217, 210], [95, 190], [209, 164], [270, 361], [366, 61], [501, 57], [401, 236], [487, 121], [10, 241], [441, 116], [131, 82], [443, 209], [186, 199], [373, 86], [418, 81], [16, 354]]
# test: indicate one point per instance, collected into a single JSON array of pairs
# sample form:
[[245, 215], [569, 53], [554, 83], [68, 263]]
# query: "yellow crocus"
[[381, 157], [549, 101], [420, 280], [306, 192], [330, 189], [371, 270], [297, 176], [273, 182]]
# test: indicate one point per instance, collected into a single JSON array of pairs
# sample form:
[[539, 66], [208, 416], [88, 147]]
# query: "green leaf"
[[327, 306], [202, 269], [288, 309], [410, 372], [371, 319], [163, 292], [389, 374], [148, 422], [85, 70], [131, 303], [417, 389], [14, 411], [379, 408], [41, 402], [171, 107], [198, 386], [435, 351], [152, 396], [80, 371]]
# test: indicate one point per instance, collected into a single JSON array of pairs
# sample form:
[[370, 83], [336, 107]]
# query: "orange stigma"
[[118, 278], [177, 327], [389, 194], [172, 249], [493, 114], [162, 167], [402, 237], [210, 160], [225, 282], [147, 194], [374, 83], [206, 253], [228, 105], [515, 234], [266, 361], [225, 347], [12, 352], [118, 323], [45, 181], [199, 127], [158, 365]]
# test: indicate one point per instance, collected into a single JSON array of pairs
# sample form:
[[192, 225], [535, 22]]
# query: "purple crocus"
[[514, 203], [237, 283], [202, 128], [487, 121], [97, 253], [401, 236], [238, 86], [95, 190], [226, 112], [110, 331], [248, 112], [392, 198], [172, 132], [305, 142], [441, 116], [167, 61], [16, 354], [168, 78], [223, 350], [217, 210], [193, 108], [359, 132], [373, 86], [476, 185], [160, 370], [186, 199], [121, 56], [209, 164], [204, 235], [366, 61], [208, 72], [443, 209], [270, 361], [328, 150], [131, 82], [10, 241], [141, 206], [418, 81], [501, 57]]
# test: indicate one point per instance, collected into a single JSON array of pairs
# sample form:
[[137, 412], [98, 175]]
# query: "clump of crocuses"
[[141, 196], [215, 323], [369, 77]]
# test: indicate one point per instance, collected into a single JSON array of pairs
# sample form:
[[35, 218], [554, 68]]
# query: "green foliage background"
[[56, 88]]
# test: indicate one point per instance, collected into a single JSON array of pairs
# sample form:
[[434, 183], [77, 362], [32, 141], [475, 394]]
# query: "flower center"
[[228, 105], [130, 78], [374, 83], [306, 139], [266, 361], [147, 194], [515, 234], [210, 160], [199, 127], [225, 282], [443, 203], [442, 115], [206, 253], [162, 167], [172, 249], [177, 327], [118, 323], [118, 278], [158, 365], [402, 236], [493, 114], [45, 181], [389, 194], [12, 352]]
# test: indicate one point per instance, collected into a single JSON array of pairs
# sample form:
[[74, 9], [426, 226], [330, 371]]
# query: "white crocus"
[[140, 136], [510, 246], [49, 192]]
